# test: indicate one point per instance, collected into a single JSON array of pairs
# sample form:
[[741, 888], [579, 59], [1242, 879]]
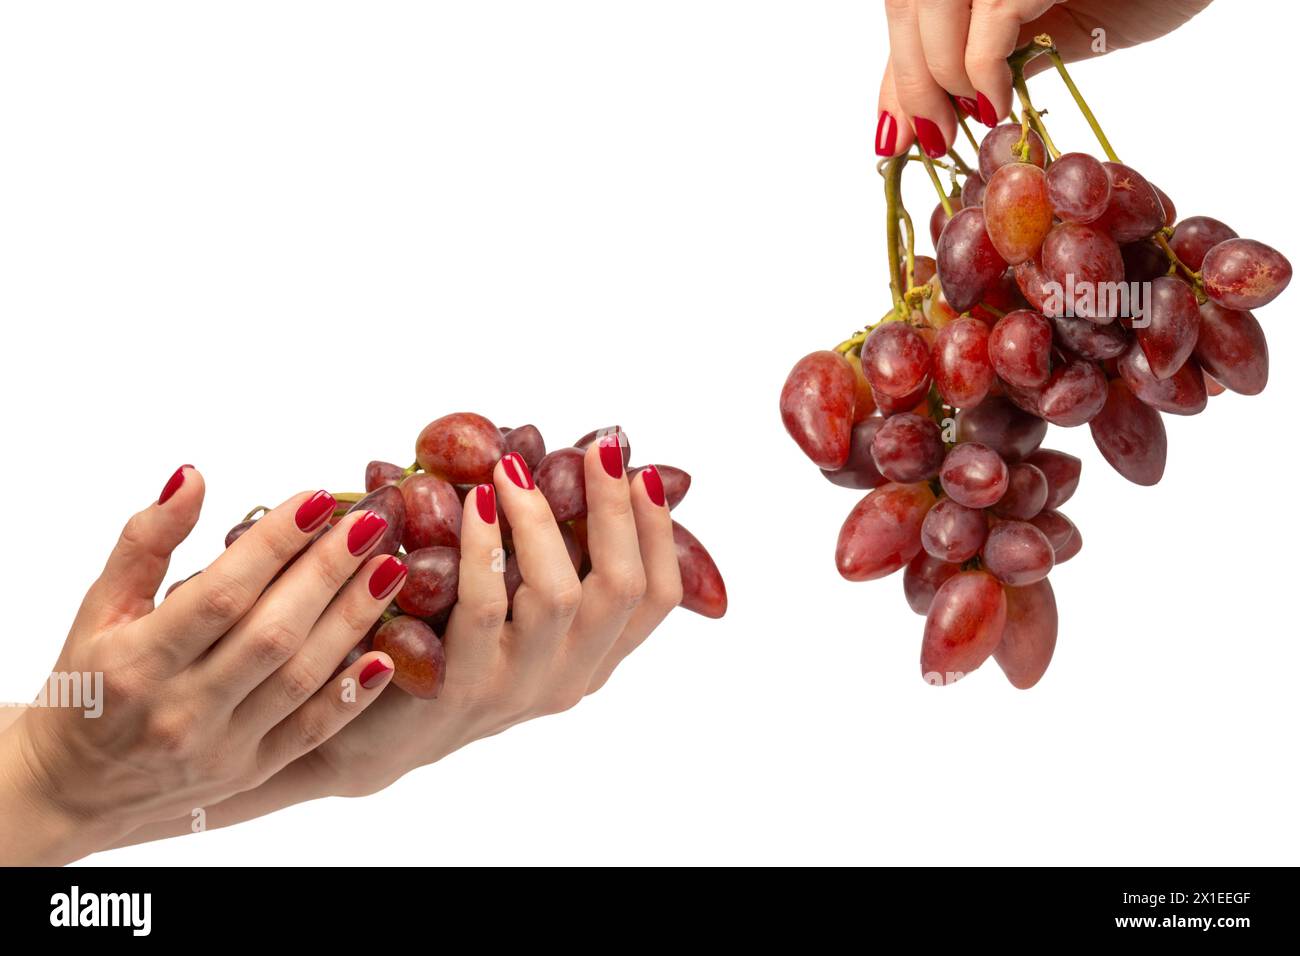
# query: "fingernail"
[[173, 484], [886, 134], [363, 535], [315, 511], [611, 455], [930, 138], [654, 485], [968, 106], [385, 578], [517, 471], [373, 674], [485, 496], [988, 115]]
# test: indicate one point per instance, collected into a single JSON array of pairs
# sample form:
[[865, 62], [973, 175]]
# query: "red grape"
[[1089, 340], [939, 218], [924, 576], [237, 532], [380, 473], [1087, 267], [860, 470], [1144, 260], [1194, 237], [463, 448], [703, 590], [1071, 548], [1032, 282], [1020, 347], [433, 512], [1017, 214], [962, 371], [1008, 430], [1029, 635], [896, 360], [908, 448], [817, 407], [1134, 211], [1130, 435], [1231, 347], [432, 577], [1074, 394], [952, 532], [974, 475], [914, 400], [997, 149], [968, 260], [972, 191], [1172, 320], [883, 531], [1026, 493], [1056, 528], [1166, 204], [419, 664], [1183, 393], [561, 477], [963, 627], [1078, 187], [1244, 274], [1060, 470], [1017, 553]]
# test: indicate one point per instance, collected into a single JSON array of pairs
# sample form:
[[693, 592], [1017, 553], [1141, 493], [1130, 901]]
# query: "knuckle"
[[563, 699], [327, 570], [273, 644], [911, 85], [223, 599], [170, 731], [314, 728], [564, 600], [297, 682], [491, 614], [666, 595], [897, 8], [135, 534], [627, 589], [357, 618]]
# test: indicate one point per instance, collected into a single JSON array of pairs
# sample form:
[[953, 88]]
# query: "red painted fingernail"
[[363, 535], [373, 673], [886, 134], [654, 484], [611, 455], [315, 511], [173, 484], [930, 138], [385, 578], [968, 106], [517, 471], [988, 115], [485, 496]]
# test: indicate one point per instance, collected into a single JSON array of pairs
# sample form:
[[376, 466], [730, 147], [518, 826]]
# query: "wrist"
[[35, 830]]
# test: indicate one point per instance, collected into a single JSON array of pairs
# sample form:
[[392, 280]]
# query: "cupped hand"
[[959, 48], [208, 694]]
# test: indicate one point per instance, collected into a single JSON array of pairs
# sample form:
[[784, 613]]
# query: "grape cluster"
[[1063, 291], [423, 504]]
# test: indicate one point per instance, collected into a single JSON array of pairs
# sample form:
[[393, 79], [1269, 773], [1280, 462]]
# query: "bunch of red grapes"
[[423, 505], [1065, 292]]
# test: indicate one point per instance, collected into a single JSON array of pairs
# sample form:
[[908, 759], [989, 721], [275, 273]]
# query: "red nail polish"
[[930, 138], [173, 484], [385, 578], [517, 471], [968, 106], [654, 484], [363, 535], [988, 115], [611, 455], [315, 511], [485, 496], [886, 134], [373, 673]]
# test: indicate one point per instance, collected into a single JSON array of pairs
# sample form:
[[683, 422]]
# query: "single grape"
[[1017, 213], [1130, 435], [462, 447], [1231, 347], [432, 576], [526, 441], [1017, 553], [1212, 387], [997, 149], [922, 577], [1144, 260], [972, 191], [908, 448], [1244, 274], [675, 481], [1088, 340], [1000, 425], [1061, 471], [974, 475], [1134, 211], [1078, 188], [1029, 635], [963, 627], [388, 503], [864, 402], [703, 590], [1167, 205], [962, 371], [1033, 285], [1056, 528], [883, 531], [561, 477], [1074, 394], [817, 407], [1026, 493], [968, 260], [419, 664], [583, 443], [896, 360], [939, 218], [1172, 321], [1183, 393], [914, 401], [860, 470], [1020, 347], [380, 473], [237, 532], [433, 512], [1073, 547], [1194, 237], [1087, 268], [1002, 296], [952, 532], [924, 268]]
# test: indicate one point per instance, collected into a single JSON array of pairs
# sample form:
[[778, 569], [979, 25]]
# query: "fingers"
[[921, 99], [210, 604], [942, 26], [893, 134], [136, 568], [331, 709], [994, 30], [548, 598], [473, 637], [663, 592], [345, 623], [617, 581]]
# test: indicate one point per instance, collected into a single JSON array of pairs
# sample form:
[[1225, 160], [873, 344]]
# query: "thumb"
[[135, 570]]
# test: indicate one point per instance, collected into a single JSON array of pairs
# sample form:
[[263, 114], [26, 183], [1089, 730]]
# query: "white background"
[[274, 239]]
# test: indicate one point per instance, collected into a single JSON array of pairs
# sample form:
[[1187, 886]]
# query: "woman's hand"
[[208, 694], [939, 48], [563, 641]]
